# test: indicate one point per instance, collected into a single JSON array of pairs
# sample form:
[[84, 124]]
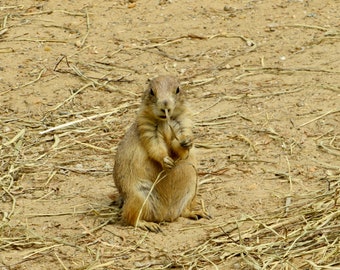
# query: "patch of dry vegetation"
[[300, 235]]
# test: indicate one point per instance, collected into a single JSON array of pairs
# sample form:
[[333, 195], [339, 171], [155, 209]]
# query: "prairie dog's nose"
[[165, 111]]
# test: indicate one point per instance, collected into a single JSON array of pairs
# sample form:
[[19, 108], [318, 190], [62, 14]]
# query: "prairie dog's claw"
[[168, 162], [196, 214]]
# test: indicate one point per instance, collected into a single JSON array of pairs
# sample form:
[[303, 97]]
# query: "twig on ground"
[[319, 117], [80, 43], [42, 71]]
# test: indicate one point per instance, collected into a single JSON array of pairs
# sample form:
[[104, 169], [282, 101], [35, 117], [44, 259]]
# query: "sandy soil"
[[263, 80]]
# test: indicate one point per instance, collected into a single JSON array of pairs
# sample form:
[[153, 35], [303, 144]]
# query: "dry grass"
[[300, 235]]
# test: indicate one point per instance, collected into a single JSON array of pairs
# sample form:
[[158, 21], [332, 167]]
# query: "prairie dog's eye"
[[151, 92], [177, 90]]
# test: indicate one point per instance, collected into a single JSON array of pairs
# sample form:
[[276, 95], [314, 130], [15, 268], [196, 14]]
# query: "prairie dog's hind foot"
[[195, 214], [149, 226]]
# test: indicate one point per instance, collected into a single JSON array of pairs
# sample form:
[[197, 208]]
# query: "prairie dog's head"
[[163, 94]]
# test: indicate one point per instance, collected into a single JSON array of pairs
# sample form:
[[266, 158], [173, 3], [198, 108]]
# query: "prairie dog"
[[155, 166]]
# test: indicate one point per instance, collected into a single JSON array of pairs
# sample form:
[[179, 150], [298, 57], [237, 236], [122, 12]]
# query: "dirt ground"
[[262, 78]]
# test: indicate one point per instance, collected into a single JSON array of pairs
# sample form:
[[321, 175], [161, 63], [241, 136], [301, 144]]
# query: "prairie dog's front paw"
[[186, 143], [168, 163]]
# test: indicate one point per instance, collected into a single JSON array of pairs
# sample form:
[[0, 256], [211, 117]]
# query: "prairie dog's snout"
[[166, 106]]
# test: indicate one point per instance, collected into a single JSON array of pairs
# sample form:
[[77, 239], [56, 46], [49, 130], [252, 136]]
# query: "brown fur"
[[152, 150]]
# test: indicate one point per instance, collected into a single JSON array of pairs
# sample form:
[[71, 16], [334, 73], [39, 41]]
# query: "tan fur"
[[152, 150]]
